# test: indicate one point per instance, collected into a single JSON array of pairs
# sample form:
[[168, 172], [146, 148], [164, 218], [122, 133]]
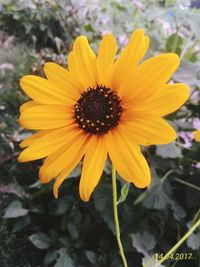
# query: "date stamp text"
[[175, 256]]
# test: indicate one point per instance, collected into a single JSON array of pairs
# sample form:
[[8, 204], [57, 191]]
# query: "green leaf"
[[124, 193], [60, 206], [64, 260], [37, 184], [15, 210], [188, 73], [73, 230], [50, 257], [193, 241], [65, 241], [169, 151], [91, 256], [40, 240], [157, 196], [21, 223], [103, 203], [174, 43], [16, 189], [88, 28], [141, 197], [118, 6], [144, 242], [178, 211]]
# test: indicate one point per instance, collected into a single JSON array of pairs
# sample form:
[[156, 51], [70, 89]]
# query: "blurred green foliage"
[[37, 230], [43, 23]]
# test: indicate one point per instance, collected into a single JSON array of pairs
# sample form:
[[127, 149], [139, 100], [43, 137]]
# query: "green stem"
[[174, 248], [196, 216], [188, 184], [116, 219]]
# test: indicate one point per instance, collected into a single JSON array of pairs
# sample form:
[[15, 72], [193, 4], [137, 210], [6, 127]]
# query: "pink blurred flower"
[[123, 40], [105, 32], [139, 4], [196, 123], [165, 26], [186, 138], [197, 165]]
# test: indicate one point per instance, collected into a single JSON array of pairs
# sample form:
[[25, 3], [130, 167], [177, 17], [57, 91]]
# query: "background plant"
[[37, 230]]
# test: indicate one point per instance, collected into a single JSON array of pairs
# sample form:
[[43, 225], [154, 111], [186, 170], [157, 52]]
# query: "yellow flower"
[[99, 108], [196, 135]]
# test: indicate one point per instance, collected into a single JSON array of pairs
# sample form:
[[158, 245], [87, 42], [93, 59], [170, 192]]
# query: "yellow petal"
[[168, 100], [105, 58], [82, 63], [46, 117], [149, 129], [47, 143], [43, 91], [93, 165], [69, 166], [149, 78], [129, 58], [64, 157], [127, 159], [196, 135], [34, 137], [28, 105], [62, 78]]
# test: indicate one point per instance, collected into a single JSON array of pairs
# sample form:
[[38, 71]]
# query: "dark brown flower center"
[[98, 110]]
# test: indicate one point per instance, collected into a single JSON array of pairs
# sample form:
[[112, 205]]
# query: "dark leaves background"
[[37, 230]]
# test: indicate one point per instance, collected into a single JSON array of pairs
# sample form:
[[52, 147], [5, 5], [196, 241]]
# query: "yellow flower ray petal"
[[148, 129], [149, 78], [105, 58], [171, 98], [34, 137], [82, 63], [57, 162], [129, 58], [93, 165], [62, 78], [47, 143], [70, 165], [196, 135], [43, 91], [28, 105], [127, 159], [46, 117]]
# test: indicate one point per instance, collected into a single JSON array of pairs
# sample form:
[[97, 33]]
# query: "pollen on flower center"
[[98, 110]]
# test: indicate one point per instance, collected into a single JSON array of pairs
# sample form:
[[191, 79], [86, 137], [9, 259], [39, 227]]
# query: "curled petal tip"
[[55, 192], [19, 159]]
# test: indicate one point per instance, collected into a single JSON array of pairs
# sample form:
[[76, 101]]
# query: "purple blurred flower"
[[123, 40], [197, 165], [196, 123], [194, 96], [186, 139], [104, 20], [138, 4], [105, 32], [167, 29]]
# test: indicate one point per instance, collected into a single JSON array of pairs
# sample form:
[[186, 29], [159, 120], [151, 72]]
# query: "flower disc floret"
[[98, 110]]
